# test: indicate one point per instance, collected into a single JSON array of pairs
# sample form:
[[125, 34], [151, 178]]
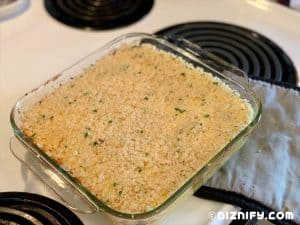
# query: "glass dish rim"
[[101, 206]]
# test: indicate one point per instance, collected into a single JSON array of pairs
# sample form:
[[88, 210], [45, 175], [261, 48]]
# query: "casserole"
[[70, 188]]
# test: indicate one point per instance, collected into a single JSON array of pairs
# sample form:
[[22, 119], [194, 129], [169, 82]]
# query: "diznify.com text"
[[251, 215]]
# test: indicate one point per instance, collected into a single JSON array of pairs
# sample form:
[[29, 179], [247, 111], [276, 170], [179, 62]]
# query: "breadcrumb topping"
[[133, 127]]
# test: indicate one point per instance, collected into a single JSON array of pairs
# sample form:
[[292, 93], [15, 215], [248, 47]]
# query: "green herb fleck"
[[146, 98], [141, 131], [95, 110], [182, 74], [180, 110], [215, 82], [95, 143], [120, 192], [110, 121], [146, 153], [178, 139], [139, 169], [180, 99], [206, 115], [33, 135], [43, 116], [115, 184], [124, 67], [51, 117], [66, 146], [86, 134]]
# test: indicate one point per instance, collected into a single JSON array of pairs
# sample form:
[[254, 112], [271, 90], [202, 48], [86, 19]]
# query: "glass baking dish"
[[70, 190]]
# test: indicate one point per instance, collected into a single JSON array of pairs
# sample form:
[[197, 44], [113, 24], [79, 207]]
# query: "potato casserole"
[[133, 127]]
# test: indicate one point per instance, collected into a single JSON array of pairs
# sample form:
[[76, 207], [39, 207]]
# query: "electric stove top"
[[36, 45]]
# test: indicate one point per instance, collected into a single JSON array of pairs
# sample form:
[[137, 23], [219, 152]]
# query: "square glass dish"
[[68, 188]]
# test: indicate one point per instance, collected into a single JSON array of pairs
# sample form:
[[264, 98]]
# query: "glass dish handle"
[[214, 62], [71, 196]]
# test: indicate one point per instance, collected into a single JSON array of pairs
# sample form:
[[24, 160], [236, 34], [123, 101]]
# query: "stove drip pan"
[[98, 14], [255, 54]]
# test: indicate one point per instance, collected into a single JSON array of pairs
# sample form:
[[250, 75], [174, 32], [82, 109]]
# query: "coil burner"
[[26, 208], [98, 14], [255, 54]]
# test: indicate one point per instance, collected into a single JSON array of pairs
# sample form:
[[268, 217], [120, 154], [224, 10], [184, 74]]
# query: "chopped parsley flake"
[[146, 98], [182, 74], [124, 67], [206, 115], [180, 110]]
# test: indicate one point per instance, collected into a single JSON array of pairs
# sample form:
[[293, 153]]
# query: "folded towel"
[[267, 168]]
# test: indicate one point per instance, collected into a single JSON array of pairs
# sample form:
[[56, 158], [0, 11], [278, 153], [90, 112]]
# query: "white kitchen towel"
[[267, 168]]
